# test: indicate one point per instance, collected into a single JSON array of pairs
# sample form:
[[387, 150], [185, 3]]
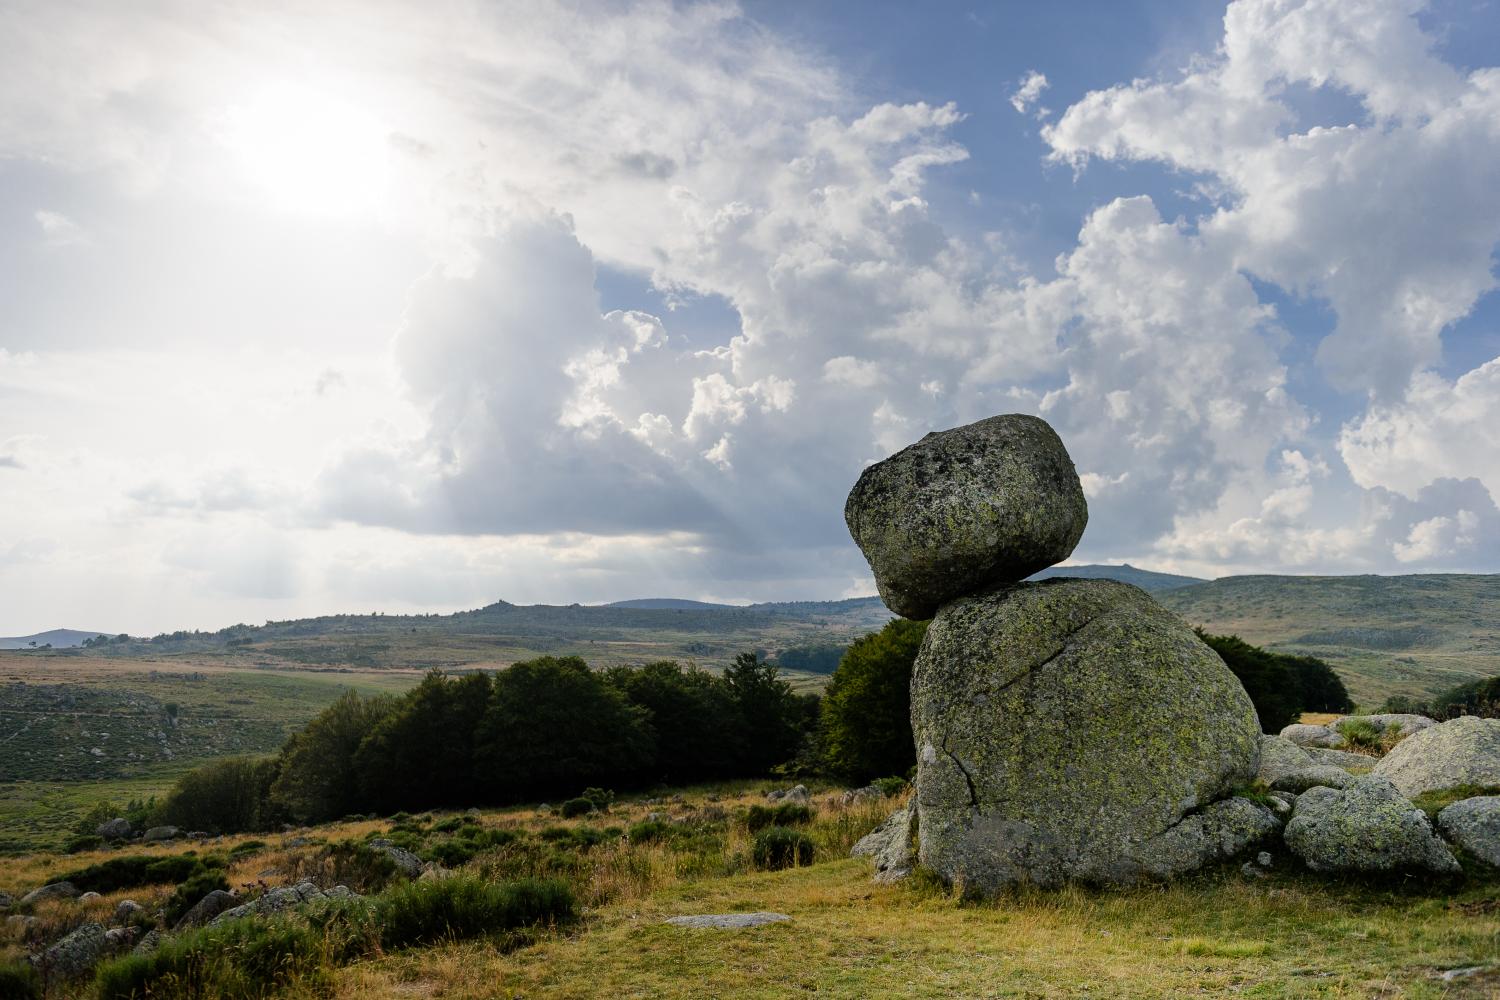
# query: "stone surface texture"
[[728, 921], [1312, 736], [1279, 757], [1474, 825], [989, 502], [1464, 751], [1219, 832], [1061, 724], [1368, 827], [892, 845]]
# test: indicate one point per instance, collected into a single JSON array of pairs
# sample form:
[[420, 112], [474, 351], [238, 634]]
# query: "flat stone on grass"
[[728, 921]]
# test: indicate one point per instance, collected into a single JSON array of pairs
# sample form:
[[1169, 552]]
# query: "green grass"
[[1433, 803]]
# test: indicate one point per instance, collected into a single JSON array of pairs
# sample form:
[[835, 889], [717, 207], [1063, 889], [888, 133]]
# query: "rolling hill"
[[58, 638], [1148, 580], [1410, 635]]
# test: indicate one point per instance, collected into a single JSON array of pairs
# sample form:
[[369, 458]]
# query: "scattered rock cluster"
[[1076, 730]]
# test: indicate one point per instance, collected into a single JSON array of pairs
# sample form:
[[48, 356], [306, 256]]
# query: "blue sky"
[[424, 305]]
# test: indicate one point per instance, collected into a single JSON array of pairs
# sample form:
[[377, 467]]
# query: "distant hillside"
[[1414, 635], [58, 638], [668, 604], [1147, 580]]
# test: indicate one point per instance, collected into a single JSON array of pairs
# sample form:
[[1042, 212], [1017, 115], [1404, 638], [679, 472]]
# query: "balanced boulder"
[[1060, 725], [962, 509], [1367, 827], [1465, 751]]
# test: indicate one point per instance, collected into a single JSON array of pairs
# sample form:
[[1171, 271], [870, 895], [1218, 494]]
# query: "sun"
[[310, 153]]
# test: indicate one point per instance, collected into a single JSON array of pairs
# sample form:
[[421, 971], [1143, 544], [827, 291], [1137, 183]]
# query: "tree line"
[[549, 727]]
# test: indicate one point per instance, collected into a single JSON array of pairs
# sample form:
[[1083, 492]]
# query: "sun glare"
[[310, 153]]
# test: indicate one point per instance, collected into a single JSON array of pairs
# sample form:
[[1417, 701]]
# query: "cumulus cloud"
[[1029, 93]]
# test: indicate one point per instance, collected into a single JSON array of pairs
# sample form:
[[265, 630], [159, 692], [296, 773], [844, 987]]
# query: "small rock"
[[1250, 871], [76, 953], [434, 872], [728, 921], [1279, 757], [407, 863], [206, 909], [22, 923], [114, 829], [890, 844], [1474, 825], [1449, 975], [126, 910], [89, 897], [1218, 832], [854, 796], [1312, 736], [1263, 859], [1465, 751], [149, 943], [162, 833], [1319, 775], [117, 939], [53, 890], [1367, 827]]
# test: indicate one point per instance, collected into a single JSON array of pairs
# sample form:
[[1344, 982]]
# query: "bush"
[[576, 807], [1481, 698], [194, 888], [648, 832], [85, 842], [1268, 679], [240, 960], [890, 786], [786, 814], [1359, 734], [228, 796], [247, 846], [778, 847], [133, 872], [602, 798], [866, 714], [459, 908], [20, 981], [347, 862], [1400, 704]]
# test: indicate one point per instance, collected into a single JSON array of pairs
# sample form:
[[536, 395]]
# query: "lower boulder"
[[77, 953], [1062, 725], [1367, 827], [891, 845]]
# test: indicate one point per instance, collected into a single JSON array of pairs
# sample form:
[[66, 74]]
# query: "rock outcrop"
[[991, 502], [1223, 830], [1059, 725], [1464, 751], [1367, 827], [1312, 736], [892, 845]]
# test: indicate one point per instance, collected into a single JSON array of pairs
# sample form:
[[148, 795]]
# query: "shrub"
[[890, 786], [1400, 704], [20, 981], [462, 907], [786, 814], [85, 842], [577, 807], [239, 960], [778, 847], [601, 798], [132, 872], [247, 846], [648, 832], [347, 862], [1359, 734], [450, 824], [866, 714], [194, 888], [1481, 698]]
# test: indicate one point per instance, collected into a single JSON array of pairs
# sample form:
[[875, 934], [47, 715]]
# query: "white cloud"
[[1029, 93]]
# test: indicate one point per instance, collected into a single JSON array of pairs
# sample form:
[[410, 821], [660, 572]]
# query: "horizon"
[[398, 307]]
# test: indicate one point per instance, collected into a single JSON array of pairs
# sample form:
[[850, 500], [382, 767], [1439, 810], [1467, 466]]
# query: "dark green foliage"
[[648, 831], [1318, 687], [818, 658], [239, 960], [247, 846], [134, 871], [348, 862], [695, 723], [1400, 704], [440, 716], [576, 807], [230, 795], [455, 909], [19, 981], [602, 798], [1359, 734], [1481, 698], [83, 842], [772, 713], [786, 814], [317, 780], [1433, 803], [1270, 680], [890, 786], [866, 714], [778, 847], [194, 888], [449, 825]]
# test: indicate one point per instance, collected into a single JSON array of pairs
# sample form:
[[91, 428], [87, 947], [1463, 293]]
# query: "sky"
[[342, 307]]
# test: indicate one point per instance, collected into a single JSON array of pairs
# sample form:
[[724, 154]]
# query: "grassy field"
[[1221, 934], [1385, 635]]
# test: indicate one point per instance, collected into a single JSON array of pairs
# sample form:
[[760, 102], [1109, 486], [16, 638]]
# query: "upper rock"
[[991, 502], [1465, 751]]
